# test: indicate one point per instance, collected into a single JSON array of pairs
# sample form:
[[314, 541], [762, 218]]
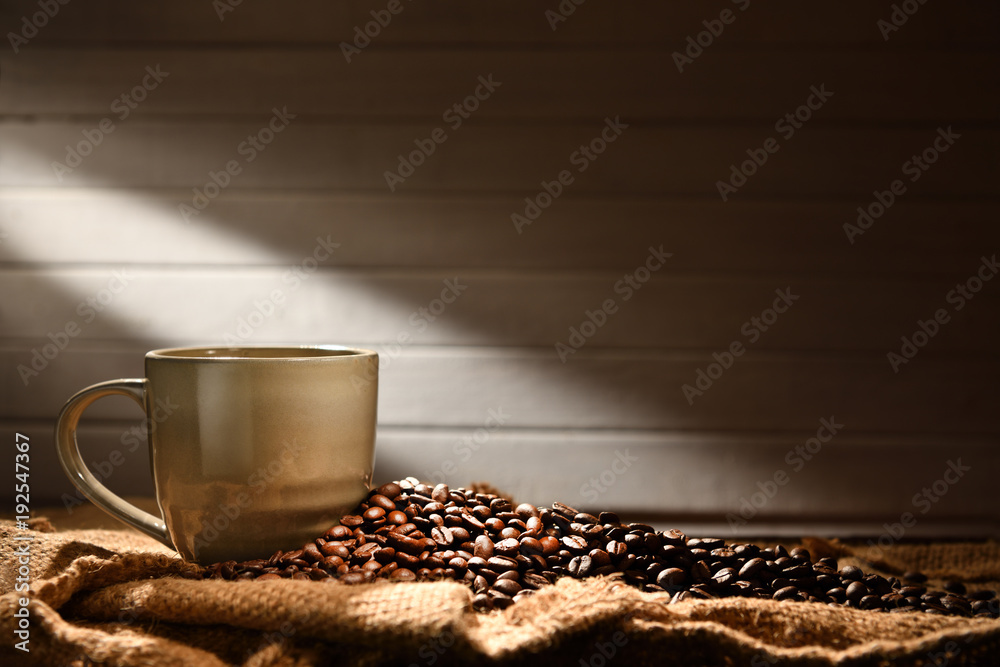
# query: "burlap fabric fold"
[[102, 597]]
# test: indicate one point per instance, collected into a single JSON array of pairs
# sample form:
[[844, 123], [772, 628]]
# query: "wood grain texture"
[[640, 85], [705, 481], [489, 307], [55, 228], [195, 277], [818, 161], [521, 24], [455, 387]]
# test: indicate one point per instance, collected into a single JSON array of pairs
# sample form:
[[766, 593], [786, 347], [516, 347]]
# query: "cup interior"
[[257, 352]]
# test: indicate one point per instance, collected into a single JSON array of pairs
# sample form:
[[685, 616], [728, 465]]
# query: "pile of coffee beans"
[[406, 531]]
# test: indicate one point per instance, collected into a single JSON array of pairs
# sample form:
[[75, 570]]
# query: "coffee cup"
[[252, 448]]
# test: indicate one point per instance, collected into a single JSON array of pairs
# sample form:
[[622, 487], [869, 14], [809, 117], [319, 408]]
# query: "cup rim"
[[216, 353]]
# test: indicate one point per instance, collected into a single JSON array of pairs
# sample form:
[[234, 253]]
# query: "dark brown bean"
[[507, 586], [509, 547], [856, 591], [442, 535], [786, 593], [502, 563], [751, 567]]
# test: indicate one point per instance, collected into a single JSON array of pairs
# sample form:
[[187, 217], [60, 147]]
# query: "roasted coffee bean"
[[390, 490], [797, 572], [609, 519], [502, 563], [574, 543], [870, 602], [442, 535], [526, 511], [724, 576], [409, 531], [671, 577], [529, 546], [751, 567], [616, 549], [800, 554], [856, 590], [472, 523], [483, 546], [600, 557], [373, 514], [381, 501], [786, 593], [509, 547], [507, 586], [564, 510], [550, 545], [580, 566], [700, 571], [955, 587]]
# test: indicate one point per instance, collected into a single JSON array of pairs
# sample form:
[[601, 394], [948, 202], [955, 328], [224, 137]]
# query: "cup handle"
[[80, 475]]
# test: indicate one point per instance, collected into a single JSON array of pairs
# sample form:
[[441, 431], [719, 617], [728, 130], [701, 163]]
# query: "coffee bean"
[[508, 547], [411, 531], [482, 602], [550, 545], [724, 576], [483, 546], [565, 510], [373, 514], [786, 593], [390, 490], [751, 567], [915, 577], [700, 571], [472, 523], [507, 586], [870, 602], [580, 566], [955, 587], [502, 563], [616, 549], [574, 543], [856, 591], [671, 578], [529, 546], [797, 572], [609, 519], [442, 535]]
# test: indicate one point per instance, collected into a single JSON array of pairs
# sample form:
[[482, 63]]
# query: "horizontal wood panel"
[[677, 477], [818, 161], [115, 227], [964, 23], [640, 85], [476, 307], [627, 390]]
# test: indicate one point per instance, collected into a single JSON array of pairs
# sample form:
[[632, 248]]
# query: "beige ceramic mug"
[[252, 448]]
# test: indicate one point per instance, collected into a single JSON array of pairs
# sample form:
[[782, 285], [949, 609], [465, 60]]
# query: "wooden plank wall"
[[211, 81]]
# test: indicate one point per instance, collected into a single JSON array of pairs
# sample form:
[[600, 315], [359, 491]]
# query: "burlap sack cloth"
[[117, 598]]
